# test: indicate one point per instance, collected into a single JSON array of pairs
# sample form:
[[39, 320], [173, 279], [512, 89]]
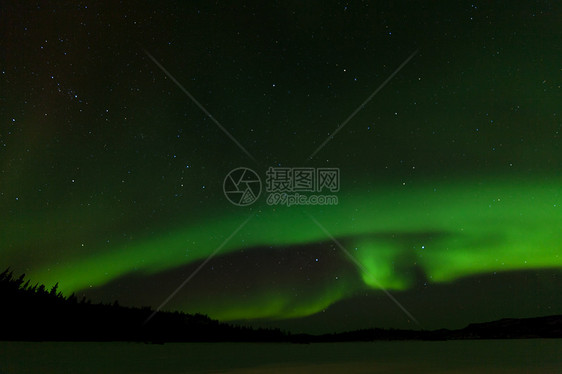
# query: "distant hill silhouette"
[[33, 313], [508, 328]]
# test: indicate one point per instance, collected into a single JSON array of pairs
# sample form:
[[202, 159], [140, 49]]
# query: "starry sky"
[[119, 122]]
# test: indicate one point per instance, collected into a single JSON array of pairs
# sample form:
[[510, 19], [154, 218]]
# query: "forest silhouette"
[[35, 313]]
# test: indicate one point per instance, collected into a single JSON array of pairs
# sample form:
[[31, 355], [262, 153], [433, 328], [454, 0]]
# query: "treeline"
[[35, 313]]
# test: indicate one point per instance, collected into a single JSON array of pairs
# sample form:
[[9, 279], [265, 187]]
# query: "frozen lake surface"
[[499, 356]]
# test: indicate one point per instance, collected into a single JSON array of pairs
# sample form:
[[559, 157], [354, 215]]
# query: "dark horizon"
[[68, 318]]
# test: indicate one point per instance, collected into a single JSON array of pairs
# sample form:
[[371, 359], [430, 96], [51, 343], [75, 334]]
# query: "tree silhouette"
[[32, 313]]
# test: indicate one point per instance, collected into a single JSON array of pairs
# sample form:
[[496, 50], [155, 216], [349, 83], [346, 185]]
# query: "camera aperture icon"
[[242, 186]]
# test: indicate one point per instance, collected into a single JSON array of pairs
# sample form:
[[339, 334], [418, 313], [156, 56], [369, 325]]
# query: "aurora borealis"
[[111, 177]]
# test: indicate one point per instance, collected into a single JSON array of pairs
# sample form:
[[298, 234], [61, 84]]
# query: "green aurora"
[[111, 177], [490, 226]]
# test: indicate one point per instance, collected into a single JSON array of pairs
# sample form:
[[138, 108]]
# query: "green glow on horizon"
[[493, 226], [280, 303]]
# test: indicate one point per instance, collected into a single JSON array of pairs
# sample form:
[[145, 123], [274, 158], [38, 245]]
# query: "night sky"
[[450, 201]]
